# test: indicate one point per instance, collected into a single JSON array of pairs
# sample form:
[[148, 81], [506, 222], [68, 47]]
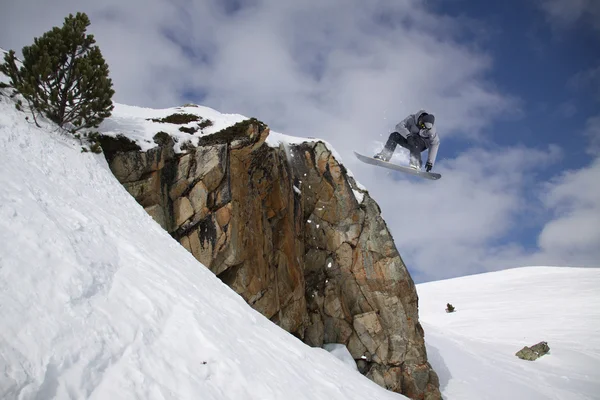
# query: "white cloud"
[[574, 231], [566, 13]]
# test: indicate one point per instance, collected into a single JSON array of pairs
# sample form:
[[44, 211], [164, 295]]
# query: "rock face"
[[294, 235]]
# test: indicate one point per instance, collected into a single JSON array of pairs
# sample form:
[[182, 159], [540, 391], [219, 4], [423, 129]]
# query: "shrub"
[[117, 144], [179, 119], [187, 146], [237, 131], [449, 308], [205, 124], [190, 130], [96, 147], [94, 140], [64, 76], [162, 138]]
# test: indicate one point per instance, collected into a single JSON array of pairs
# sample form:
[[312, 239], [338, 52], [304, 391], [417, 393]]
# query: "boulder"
[[534, 352]]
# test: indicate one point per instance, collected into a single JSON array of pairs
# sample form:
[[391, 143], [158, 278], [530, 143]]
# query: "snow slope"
[[497, 314], [98, 302]]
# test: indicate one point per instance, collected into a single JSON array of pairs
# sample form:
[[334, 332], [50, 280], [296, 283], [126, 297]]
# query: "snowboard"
[[373, 161]]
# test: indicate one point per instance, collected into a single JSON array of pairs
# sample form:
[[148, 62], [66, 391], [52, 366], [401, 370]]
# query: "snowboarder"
[[415, 133]]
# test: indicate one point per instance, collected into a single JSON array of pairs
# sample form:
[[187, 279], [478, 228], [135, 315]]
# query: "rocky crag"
[[290, 231]]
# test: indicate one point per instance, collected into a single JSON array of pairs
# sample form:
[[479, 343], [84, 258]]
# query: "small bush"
[[96, 148], [112, 145], [162, 138], [449, 308], [178, 119], [187, 146], [227, 135], [190, 130], [205, 124]]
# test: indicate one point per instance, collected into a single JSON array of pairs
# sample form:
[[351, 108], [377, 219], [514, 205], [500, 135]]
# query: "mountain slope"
[[97, 301], [497, 314]]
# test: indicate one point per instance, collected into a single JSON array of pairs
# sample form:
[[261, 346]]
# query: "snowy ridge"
[[497, 314], [136, 124], [97, 301]]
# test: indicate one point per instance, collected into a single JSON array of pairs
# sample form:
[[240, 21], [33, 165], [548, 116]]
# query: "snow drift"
[[497, 314]]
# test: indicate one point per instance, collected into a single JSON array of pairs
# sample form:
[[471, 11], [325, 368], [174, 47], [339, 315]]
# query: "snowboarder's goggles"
[[425, 125]]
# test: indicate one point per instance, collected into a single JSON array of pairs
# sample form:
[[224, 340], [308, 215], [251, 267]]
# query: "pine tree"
[[64, 76]]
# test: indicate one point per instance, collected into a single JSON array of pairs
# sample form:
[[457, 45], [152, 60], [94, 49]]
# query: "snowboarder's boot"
[[383, 156], [415, 162]]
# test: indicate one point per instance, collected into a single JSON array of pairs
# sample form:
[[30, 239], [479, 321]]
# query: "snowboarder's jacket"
[[409, 126]]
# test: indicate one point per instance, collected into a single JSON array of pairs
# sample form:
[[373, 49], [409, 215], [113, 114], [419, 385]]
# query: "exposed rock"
[[198, 200], [183, 210], [158, 214], [284, 229], [534, 352], [210, 165]]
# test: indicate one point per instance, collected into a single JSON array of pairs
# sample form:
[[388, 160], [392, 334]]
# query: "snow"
[[136, 124], [341, 352], [97, 301], [497, 314], [4, 78], [358, 195], [275, 139]]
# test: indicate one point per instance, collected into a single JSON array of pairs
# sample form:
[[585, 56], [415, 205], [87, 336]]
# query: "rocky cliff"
[[290, 231]]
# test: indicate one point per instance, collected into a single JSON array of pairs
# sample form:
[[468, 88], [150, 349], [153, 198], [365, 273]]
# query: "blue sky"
[[539, 62], [514, 85], [536, 61]]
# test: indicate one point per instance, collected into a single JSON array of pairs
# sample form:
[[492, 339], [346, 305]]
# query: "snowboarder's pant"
[[414, 143]]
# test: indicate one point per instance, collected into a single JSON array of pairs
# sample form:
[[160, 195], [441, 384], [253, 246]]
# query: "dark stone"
[[207, 231], [534, 352], [113, 145]]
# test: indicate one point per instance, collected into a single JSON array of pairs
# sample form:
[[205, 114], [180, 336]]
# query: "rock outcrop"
[[290, 231], [534, 352]]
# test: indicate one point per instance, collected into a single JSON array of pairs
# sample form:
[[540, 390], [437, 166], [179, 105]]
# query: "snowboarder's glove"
[[428, 166]]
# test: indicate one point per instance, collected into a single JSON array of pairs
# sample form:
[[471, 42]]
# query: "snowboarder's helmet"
[[426, 121]]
